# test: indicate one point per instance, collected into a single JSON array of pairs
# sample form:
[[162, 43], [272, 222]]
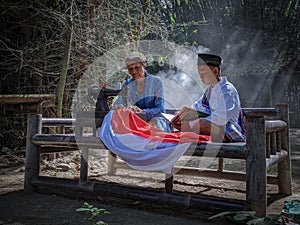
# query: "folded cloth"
[[142, 146]]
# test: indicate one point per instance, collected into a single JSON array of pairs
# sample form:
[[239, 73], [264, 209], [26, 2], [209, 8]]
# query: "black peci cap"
[[209, 59]]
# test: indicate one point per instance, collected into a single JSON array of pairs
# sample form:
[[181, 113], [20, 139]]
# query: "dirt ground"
[[19, 208]]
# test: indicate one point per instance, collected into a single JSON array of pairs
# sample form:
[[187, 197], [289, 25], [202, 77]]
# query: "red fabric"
[[126, 121]]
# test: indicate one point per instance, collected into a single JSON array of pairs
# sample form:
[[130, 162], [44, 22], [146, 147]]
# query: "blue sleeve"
[[157, 105]]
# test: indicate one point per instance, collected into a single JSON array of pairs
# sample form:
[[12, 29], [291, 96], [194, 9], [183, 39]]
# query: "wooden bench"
[[267, 145]]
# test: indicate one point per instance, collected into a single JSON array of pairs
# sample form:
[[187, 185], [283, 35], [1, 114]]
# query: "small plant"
[[247, 217], [94, 212]]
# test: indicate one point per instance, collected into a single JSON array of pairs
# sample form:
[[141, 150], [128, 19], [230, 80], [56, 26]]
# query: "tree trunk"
[[64, 70]]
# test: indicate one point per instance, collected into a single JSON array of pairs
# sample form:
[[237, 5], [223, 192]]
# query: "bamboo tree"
[[64, 70]]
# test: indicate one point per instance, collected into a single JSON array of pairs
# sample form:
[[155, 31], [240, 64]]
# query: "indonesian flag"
[[141, 146]]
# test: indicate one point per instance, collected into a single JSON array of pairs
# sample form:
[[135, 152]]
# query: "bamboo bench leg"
[[169, 183], [256, 179], [84, 164], [111, 163], [220, 164], [285, 177], [284, 168]]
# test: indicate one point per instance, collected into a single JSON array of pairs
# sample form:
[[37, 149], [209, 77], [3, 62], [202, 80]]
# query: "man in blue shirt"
[[144, 93]]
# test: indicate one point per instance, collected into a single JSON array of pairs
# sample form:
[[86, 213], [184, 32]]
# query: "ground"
[[19, 208]]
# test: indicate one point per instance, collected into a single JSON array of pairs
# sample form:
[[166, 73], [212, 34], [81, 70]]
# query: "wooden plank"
[[28, 107], [211, 173], [56, 148], [56, 122], [129, 192], [275, 125], [55, 139], [268, 112], [220, 150], [26, 98], [69, 140], [225, 150]]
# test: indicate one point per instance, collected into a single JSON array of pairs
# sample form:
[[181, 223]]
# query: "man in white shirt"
[[220, 100]]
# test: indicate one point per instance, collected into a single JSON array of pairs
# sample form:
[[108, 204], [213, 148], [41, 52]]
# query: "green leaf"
[[86, 204], [242, 216], [254, 221], [172, 19], [222, 214], [82, 210], [100, 223], [237, 215], [268, 220], [102, 211]]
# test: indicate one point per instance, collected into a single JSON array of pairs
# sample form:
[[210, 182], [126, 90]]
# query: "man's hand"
[[136, 109]]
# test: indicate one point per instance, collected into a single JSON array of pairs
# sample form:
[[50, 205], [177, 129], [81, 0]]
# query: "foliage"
[[94, 212], [249, 218], [292, 210], [32, 60], [35, 36], [208, 18]]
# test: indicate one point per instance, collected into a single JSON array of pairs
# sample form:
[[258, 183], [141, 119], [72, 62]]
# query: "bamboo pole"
[[65, 64], [69, 187]]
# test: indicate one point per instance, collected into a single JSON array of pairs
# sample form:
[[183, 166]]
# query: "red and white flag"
[[142, 146]]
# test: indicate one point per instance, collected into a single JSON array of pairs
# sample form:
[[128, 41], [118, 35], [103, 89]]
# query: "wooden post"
[[278, 141], [268, 145], [32, 164], [169, 182], [111, 163], [220, 164], [284, 166], [273, 143], [256, 181], [84, 164], [84, 156]]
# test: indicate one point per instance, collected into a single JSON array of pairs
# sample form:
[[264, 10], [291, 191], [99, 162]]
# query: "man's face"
[[208, 74], [136, 70]]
